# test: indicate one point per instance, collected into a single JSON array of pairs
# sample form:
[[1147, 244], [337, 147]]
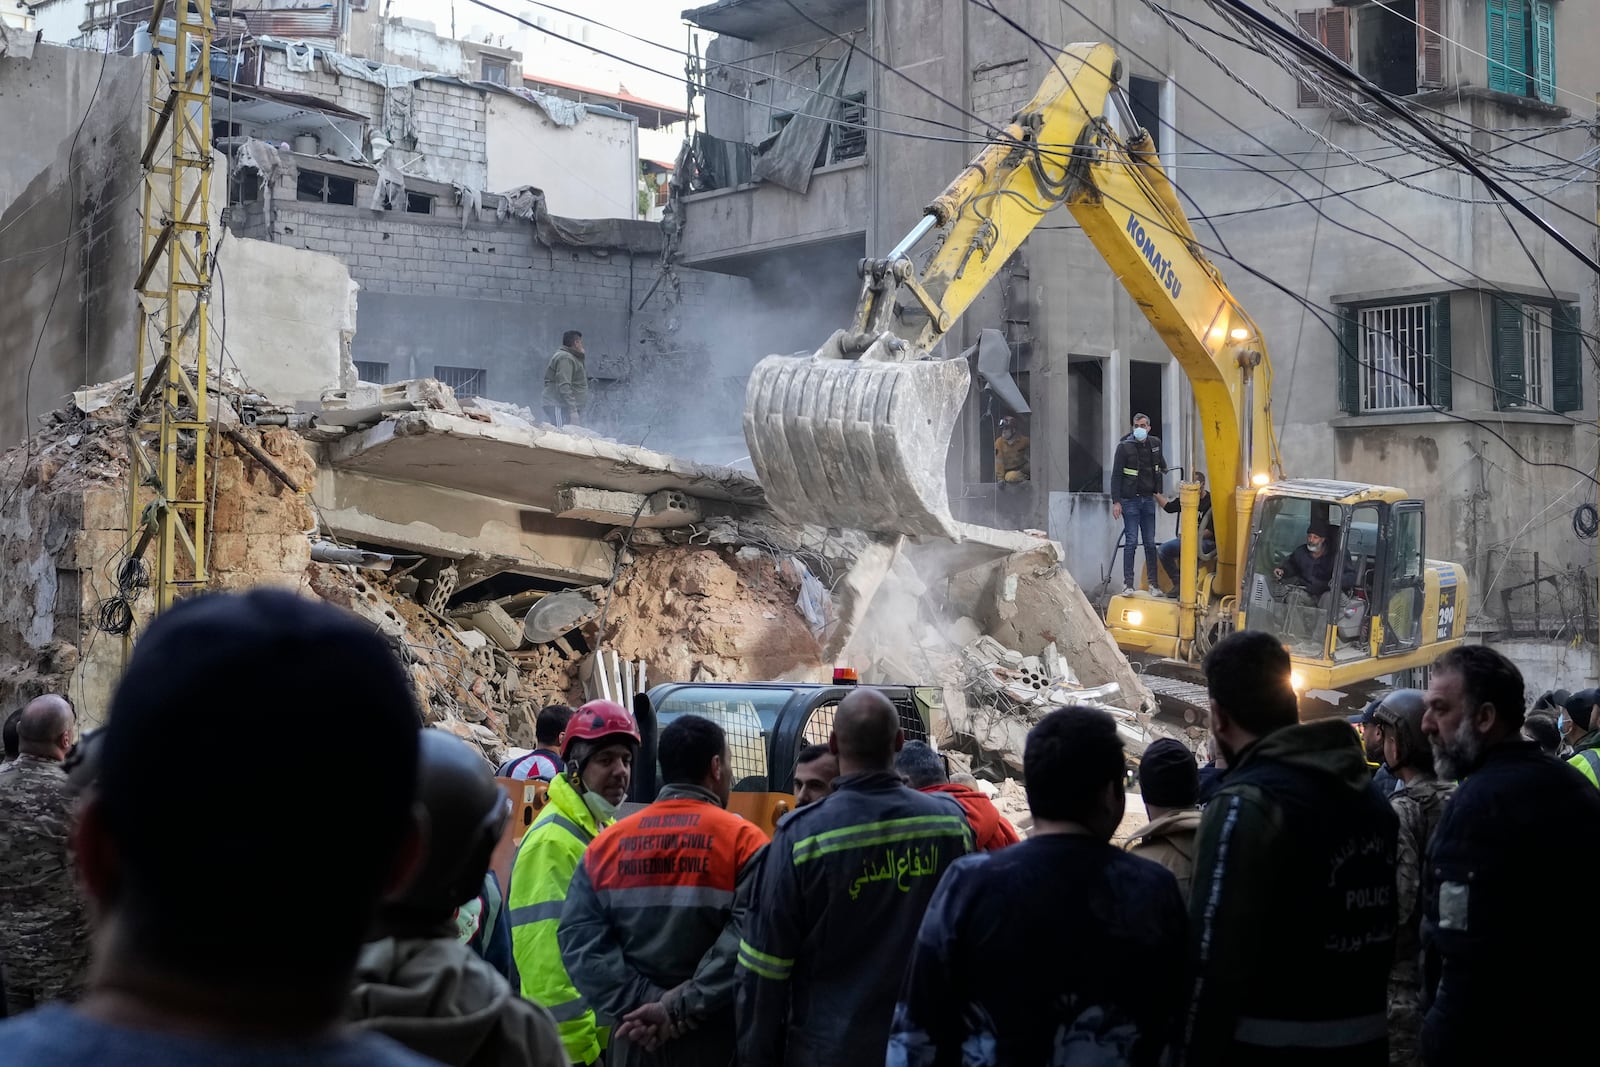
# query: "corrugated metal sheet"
[[293, 25]]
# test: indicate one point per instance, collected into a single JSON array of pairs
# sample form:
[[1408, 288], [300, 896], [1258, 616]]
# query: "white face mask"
[[604, 811], [1140, 433]]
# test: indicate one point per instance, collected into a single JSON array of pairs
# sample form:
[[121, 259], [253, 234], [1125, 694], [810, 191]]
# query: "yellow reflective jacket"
[[546, 861]]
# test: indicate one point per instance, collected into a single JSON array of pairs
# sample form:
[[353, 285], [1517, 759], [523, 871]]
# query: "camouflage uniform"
[[1419, 805], [44, 928]]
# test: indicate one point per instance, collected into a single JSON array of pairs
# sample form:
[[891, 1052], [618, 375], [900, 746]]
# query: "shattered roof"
[[306, 101], [652, 114]]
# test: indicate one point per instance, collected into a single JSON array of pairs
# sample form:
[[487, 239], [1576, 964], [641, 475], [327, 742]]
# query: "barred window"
[[1395, 348]]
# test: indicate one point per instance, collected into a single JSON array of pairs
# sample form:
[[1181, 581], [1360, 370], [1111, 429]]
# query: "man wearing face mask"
[[599, 745], [1135, 476], [1578, 714]]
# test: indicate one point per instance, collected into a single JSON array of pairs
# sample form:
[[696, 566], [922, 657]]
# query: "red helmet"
[[597, 720]]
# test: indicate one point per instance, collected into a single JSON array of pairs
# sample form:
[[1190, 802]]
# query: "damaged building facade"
[[1431, 352]]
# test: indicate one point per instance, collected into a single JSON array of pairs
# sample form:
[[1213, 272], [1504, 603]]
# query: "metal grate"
[[1395, 350], [466, 381], [819, 727], [747, 743], [370, 371], [1535, 352]]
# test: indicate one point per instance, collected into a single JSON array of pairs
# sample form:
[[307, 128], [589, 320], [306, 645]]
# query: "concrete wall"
[[69, 233], [489, 296], [290, 322], [587, 171]]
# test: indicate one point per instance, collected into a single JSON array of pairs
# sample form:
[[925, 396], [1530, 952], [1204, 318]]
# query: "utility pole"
[[170, 418]]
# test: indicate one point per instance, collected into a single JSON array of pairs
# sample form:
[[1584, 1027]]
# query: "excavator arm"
[[856, 434]]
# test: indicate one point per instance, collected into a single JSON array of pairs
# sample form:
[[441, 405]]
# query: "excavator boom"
[[856, 434]]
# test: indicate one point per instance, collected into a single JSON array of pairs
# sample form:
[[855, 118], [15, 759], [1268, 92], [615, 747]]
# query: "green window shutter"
[[1510, 385], [1508, 45], [1439, 373], [1349, 361], [1566, 358], [1544, 50]]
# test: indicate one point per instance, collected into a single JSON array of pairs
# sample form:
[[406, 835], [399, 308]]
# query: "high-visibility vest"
[[1588, 764], [546, 860]]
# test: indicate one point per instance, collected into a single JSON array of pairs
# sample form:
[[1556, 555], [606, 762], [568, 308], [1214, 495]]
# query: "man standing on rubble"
[[1111, 925], [650, 931], [923, 769], [1519, 832], [599, 746], [44, 928], [814, 771], [1294, 875], [566, 382], [841, 893], [1135, 476]]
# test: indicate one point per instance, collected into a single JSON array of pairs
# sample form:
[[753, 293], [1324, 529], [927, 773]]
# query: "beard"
[[1460, 754]]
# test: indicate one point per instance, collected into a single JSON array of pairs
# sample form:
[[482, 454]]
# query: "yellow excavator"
[[857, 433]]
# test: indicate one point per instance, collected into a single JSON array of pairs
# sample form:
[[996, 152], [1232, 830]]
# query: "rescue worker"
[[230, 908], [544, 762], [415, 981], [1110, 925], [599, 747], [841, 893], [1580, 728], [1541, 729], [650, 931], [1135, 476], [1171, 551], [1294, 875], [1519, 829], [1010, 453], [1373, 737], [566, 382], [44, 925], [923, 769], [814, 771], [1169, 785], [1418, 803]]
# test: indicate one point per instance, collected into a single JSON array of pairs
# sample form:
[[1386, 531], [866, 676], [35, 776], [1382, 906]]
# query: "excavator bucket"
[[858, 443]]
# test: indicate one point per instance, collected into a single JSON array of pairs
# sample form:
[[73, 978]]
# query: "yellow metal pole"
[[1188, 559], [176, 273]]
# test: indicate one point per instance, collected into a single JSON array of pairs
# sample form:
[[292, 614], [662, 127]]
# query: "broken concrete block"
[[1055, 668], [491, 620], [660, 510], [473, 639], [963, 632], [1011, 659]]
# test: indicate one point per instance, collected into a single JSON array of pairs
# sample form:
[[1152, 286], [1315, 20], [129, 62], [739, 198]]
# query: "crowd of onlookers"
[[1314, 894]]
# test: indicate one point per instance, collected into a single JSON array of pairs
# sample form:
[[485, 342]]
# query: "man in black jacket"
[[1172, 550], [1135, 476], [1292, 912], [842, 890], [1522, 827]]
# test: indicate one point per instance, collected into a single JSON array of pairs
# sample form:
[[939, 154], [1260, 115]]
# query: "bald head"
[[866, 733], [45, 728]]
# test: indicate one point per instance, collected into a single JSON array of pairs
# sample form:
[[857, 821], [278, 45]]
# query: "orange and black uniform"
[[990, 829], [655, 906]]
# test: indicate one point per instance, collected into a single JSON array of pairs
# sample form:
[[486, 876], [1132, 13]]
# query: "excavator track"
[[1184, 701]]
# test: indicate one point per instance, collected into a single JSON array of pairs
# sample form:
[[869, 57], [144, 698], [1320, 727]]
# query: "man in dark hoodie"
[[416, 982], [1520, 828], [1293, 911], [920, 767]]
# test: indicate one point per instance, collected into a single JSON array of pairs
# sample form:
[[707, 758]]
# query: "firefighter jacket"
[[990, 829], [654, 914], [1011, 456], [841, 895], [1517, 837], [1137, 468], [546, 861], [1292, 914]]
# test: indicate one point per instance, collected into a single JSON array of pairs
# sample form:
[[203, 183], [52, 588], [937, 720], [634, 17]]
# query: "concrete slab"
[[524, 465]]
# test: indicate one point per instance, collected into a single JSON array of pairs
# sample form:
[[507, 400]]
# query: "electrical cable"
[[1325, 59], [61, 275]]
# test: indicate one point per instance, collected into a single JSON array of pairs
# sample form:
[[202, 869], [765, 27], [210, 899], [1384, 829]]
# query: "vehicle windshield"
[[1300, 572], [748, 716]]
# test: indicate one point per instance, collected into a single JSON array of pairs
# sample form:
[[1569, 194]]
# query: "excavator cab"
[[1368, 593]]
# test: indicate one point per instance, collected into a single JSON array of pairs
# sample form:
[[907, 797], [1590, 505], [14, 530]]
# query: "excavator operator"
[[1310, 566]]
